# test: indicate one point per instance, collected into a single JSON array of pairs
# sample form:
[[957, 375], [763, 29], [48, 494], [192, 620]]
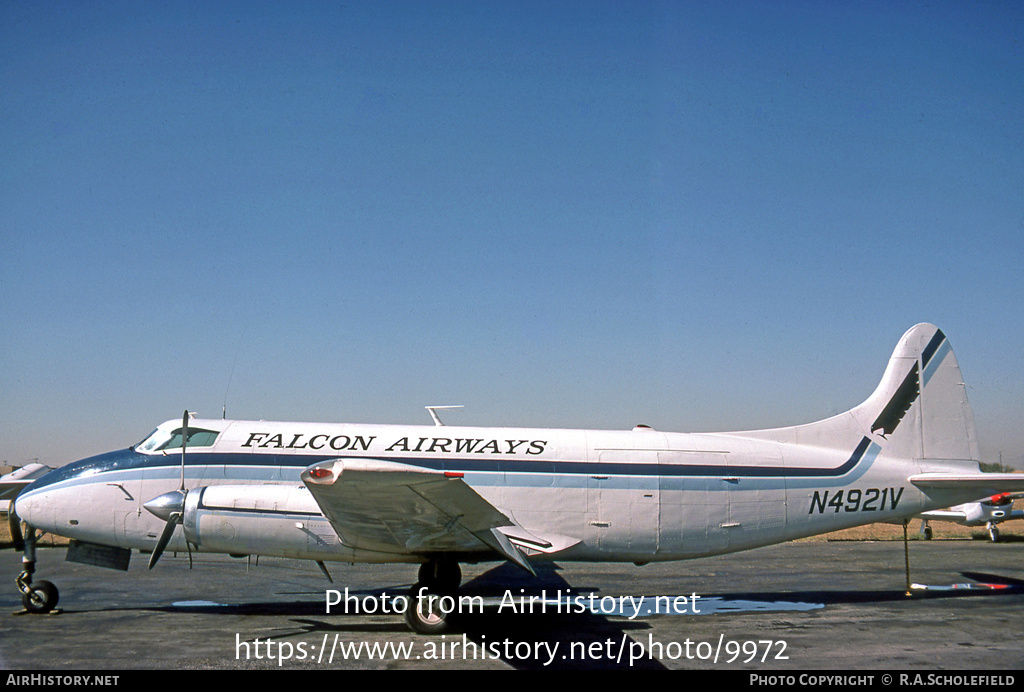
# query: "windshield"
[[162, 438]]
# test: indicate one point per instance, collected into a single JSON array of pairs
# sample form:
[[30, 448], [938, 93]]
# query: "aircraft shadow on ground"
[[547, 638], [521, 639], [600, 638], [578, 640]]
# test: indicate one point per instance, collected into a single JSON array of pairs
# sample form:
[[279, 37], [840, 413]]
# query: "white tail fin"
[[918, 411], [920, 407]]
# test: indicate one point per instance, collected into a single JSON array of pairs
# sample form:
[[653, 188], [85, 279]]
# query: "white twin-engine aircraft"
[[439, 496]]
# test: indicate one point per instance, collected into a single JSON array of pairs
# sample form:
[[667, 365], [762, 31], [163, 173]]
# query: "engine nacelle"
[[278, 520], [981, 513]]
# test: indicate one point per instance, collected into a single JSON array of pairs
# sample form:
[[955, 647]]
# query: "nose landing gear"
[[37, 596]]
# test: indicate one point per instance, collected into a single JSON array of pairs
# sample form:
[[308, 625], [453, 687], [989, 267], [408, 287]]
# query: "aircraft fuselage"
[[639, 495]]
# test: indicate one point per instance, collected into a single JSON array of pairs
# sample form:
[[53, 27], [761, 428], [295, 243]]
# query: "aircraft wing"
[[397, 508], [943, 515], [985, 484]]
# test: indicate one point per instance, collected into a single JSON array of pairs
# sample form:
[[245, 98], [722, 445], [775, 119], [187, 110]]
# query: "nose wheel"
[[37, 596], [40, 596]]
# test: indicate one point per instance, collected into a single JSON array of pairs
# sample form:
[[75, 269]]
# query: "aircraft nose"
[[32, 508], [79, 500]]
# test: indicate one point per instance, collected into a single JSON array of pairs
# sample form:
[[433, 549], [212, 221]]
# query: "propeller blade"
[[184, 444], [165, 538], [171, 506]]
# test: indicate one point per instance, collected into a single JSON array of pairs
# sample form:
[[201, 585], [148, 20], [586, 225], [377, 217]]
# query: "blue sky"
[[697, 215]]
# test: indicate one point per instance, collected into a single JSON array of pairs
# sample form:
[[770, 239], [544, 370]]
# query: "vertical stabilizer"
[[920, 407], [919, 410]]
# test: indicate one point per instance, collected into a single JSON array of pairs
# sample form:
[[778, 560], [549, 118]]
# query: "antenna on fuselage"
[[433, 413], [231, 375]]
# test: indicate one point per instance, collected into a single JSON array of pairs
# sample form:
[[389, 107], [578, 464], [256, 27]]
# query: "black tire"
[[42, 597], [424, 614]]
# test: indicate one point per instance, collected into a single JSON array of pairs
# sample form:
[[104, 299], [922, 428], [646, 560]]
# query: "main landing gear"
[[993, 532], [432, 599], [926, 530], [37, 596]]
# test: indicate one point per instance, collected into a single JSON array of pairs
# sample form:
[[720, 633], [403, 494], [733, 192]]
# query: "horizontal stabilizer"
[[975, 485]]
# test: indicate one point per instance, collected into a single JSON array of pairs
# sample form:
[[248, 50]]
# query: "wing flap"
[[500, 543], [534, 542]]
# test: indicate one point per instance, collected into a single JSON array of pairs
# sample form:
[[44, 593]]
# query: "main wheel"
[[42, 597], [425, 613]]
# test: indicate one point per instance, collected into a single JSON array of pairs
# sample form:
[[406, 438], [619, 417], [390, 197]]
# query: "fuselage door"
[[622, 502]]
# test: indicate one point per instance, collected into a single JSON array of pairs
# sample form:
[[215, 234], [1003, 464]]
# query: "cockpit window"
[[171, 439]]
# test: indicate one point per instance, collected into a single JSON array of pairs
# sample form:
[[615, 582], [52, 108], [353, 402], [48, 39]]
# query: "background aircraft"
[[13, 483], [989, 512]]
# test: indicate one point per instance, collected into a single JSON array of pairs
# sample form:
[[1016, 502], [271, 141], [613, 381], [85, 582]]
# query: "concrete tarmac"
[[807, 606]]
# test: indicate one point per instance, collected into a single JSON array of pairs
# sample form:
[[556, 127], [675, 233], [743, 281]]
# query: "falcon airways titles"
[[428, 445]]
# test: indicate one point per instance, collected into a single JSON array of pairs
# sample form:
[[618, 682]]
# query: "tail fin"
[[920, 407], [918, 411]]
